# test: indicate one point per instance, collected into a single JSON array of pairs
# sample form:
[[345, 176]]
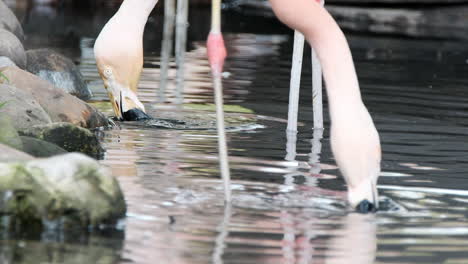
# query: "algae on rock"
[[66, 191]]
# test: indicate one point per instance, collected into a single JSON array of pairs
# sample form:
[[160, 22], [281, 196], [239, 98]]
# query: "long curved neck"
[[329, 42], [137, 10], [337, 63]]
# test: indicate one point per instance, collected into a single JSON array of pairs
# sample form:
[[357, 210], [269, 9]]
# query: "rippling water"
[[288, 197]]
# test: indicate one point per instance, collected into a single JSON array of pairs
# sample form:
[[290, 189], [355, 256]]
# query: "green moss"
[[212, 108]]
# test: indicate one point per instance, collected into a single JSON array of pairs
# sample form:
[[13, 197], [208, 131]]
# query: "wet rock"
[[9, 154], [58, 70], [22, 108], [11, 47], [5, 62], [66, 191], [8, 21], [59, 105], [8, 134], [68, 137], [40, 148]]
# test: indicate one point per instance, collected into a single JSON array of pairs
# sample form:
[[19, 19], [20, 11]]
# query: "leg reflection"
[[223, 229]]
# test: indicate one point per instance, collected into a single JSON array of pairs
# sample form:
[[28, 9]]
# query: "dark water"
[[288, 206]]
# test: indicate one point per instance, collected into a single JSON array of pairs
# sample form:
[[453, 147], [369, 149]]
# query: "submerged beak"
[[366, 207], [363, 197], [125, 103]]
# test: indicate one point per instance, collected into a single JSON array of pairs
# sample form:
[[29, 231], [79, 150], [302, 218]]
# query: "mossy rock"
[[9, 154], [40, 148], [66, 191], [8, 134], [69, 137]]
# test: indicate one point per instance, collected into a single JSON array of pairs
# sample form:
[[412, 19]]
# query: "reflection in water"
[[356, 242], [223, 232]]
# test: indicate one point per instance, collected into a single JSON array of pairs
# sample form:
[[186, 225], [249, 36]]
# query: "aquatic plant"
[[2, 104], [3, 78]]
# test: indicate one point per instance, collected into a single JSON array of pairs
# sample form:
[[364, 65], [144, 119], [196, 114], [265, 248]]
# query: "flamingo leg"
[[295, 82], [166, 49], [181, 41], [216, 56]]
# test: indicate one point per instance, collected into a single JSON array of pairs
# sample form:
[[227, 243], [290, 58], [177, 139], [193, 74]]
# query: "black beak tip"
[[135, 114], [366, 207]]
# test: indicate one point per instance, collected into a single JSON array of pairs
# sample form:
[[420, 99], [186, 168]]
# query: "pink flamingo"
[[354, 138]]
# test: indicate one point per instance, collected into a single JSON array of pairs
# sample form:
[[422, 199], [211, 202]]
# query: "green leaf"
[[3, 104], [3, 76]]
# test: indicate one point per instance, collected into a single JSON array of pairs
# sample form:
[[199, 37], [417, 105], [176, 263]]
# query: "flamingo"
[[354, 139], [119, 57]]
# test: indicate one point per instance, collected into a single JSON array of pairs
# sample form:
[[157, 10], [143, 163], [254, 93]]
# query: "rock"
[[5, 62], [67, 136], [9, 154], [40, 148], [67, 191], [58, 70], [8, 134], [12, 48], [8, 21], [22, 108], [59, 105]]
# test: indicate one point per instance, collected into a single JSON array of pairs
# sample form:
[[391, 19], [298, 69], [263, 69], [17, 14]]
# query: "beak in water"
[[124, 101], [363, 196]]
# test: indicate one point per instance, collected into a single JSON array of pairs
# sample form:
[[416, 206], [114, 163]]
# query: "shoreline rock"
[[21, 107], [58, 70], [63, 192], [59, 105], [68, 137], [8, 21], [12, 48], [9, 154]]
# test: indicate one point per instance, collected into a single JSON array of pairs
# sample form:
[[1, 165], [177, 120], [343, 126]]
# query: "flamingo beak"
[[365, 207], [125, 103]]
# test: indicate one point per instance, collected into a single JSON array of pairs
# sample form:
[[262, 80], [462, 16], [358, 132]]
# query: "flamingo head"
[[123, 99], [363, 197]]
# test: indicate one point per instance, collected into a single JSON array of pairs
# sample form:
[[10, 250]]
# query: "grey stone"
[[5, 62], [58, 70], [12, 48], [67, 136], [59, 105], [9, 154], [22, 108], [8, 21], [40, 148], [66, 191]]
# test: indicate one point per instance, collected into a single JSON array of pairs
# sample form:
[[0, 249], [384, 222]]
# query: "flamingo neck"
[[337, 63], [137, 10]]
